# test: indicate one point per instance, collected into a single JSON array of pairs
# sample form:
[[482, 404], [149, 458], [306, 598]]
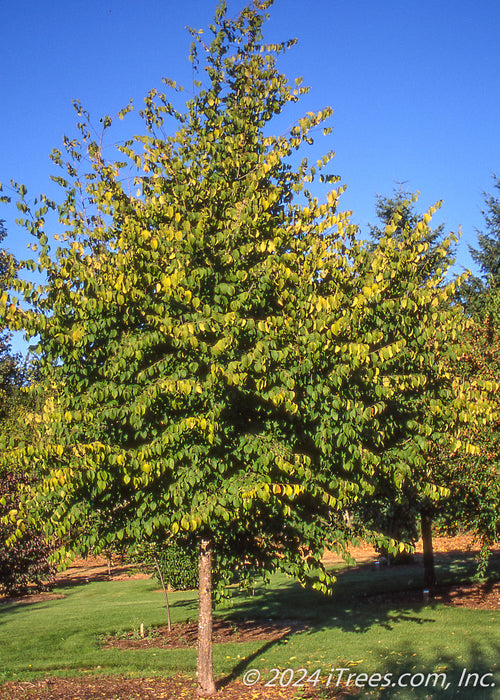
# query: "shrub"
[[178, 563], [24, 565]]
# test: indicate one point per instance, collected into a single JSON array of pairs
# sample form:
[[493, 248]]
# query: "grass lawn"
[[62, 636]]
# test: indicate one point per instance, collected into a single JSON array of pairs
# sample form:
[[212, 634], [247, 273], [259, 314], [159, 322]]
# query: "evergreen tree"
[[400, 208], [474, 291]]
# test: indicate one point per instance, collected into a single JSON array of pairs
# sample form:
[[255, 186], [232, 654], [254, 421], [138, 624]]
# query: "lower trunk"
[[206, 684], [426, 524]]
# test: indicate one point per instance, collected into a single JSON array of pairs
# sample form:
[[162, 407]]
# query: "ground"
[[112, 688], [179, 688]]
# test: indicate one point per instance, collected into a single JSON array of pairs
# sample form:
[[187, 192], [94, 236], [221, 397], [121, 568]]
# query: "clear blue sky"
[[414, 85]]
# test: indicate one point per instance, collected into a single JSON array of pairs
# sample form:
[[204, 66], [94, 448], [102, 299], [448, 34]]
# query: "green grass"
[[62, 636]]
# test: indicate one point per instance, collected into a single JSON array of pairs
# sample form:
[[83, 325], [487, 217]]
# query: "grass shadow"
[[248, 662], [446, 678]]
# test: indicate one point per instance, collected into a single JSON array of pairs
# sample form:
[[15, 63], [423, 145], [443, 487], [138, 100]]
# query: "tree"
[[474, 480], [401, 208], [396, 508], [11, 373], [226, 362], [24, 566], [487, 257]]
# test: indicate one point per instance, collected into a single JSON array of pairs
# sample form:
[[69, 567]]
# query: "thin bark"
[[160, 575], [426, 525], [206, 683]]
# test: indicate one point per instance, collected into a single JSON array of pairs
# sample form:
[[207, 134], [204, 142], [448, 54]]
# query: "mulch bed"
[[223, 631], [175, 688], [476, 596]]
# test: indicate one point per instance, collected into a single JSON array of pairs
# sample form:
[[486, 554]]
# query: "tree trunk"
[[426, 524], [206, 683]]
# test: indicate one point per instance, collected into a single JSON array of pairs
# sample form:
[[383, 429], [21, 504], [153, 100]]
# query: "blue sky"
[[414, 87]]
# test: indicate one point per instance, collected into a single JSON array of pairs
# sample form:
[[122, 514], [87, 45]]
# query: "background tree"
[[24, 566], [396, 509], [400, 208], [11, 374], [474, 291], [227, 364], [474, 480]]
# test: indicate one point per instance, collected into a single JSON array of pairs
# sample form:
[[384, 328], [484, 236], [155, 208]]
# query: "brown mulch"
[[485, 596], [475, 596], [175, 688], [223, 631]]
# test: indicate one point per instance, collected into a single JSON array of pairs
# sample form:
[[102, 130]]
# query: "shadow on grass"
[[348, 609], [358, 601], [409, 676], [413, 677], [248, 662], [407, 672], [9, 607]]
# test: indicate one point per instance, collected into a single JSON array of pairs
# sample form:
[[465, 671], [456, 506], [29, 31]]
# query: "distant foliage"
[[474, 480], [12, 375], [400, 211], [476, 291], [395, 513], [179, 566], [24, 566], [177, 561]]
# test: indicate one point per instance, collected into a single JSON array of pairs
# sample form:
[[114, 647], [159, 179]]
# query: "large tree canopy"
[[226, 365]]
